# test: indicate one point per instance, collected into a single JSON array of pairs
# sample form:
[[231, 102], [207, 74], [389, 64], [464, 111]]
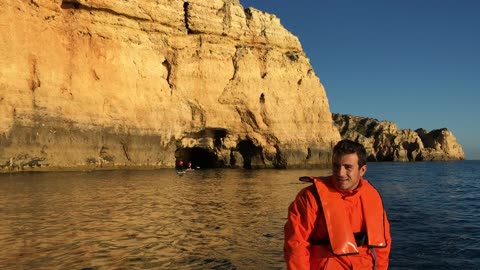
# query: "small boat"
[[180, 172]]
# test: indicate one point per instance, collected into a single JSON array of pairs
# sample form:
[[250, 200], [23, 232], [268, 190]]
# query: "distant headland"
[[385, 142]]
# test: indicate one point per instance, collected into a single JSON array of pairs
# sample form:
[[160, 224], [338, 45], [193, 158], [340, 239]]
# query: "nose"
[[341, 171]]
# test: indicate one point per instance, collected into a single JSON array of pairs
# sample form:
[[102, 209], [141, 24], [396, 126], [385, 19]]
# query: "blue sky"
[[413, 62]]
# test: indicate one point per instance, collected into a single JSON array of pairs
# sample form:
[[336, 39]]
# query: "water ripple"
[[221, 219]]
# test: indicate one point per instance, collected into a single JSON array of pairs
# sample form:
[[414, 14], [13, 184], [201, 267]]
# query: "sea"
[[222, 218]]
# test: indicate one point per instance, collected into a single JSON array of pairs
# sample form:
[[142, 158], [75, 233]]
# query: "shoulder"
[[308, 191], [307, 196], [369, 191], [369, 187]]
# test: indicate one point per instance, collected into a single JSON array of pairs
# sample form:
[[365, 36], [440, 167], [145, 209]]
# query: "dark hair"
[[349, 147]]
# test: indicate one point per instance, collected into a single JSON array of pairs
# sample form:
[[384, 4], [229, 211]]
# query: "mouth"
[[342, 180]]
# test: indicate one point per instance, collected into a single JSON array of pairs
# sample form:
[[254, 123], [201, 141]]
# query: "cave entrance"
[[249, 152], [200, 158]]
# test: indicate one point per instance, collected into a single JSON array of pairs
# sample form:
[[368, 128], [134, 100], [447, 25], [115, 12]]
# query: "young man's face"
[[346, 172]]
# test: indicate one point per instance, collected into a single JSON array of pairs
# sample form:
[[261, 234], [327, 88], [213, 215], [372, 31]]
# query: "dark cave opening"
[[70, 5], [199, 158], [248, 150]]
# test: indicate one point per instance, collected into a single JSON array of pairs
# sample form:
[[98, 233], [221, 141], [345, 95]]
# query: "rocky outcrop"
[[115, 84], [385, 142]]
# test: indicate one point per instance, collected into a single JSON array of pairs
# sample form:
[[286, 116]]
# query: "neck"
[[345, 192]]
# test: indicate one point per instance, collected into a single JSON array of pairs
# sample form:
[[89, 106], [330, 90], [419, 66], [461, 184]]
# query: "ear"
[[363, 170]]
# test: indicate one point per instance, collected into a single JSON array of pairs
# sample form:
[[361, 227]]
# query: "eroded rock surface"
[[385, 142], [97, 83]]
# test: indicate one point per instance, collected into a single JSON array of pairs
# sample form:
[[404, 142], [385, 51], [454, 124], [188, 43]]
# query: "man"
[[339, 221]]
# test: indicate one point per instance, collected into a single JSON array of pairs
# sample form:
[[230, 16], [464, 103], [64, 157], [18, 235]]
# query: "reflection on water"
[[222, 219], [212, 219]]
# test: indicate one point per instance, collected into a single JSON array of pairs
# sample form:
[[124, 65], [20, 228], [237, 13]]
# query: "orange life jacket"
[[341, 237]]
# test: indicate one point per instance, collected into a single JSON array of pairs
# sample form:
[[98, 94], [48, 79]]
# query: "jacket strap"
[[375, 222], [339, 232]]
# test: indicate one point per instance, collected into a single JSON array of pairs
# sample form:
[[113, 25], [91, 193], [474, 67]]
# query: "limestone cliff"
[[385, 142], [97, 83]]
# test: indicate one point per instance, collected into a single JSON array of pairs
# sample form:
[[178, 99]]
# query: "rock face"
[[385, 142], [96, 83]]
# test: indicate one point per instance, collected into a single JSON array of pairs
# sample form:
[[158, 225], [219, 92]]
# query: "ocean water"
[[434, 211], [222, 219]]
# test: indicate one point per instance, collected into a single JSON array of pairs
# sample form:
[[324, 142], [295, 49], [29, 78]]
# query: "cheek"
[[354, 175]]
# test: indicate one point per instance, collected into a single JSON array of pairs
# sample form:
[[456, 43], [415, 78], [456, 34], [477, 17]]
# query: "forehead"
[[351, 159]]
